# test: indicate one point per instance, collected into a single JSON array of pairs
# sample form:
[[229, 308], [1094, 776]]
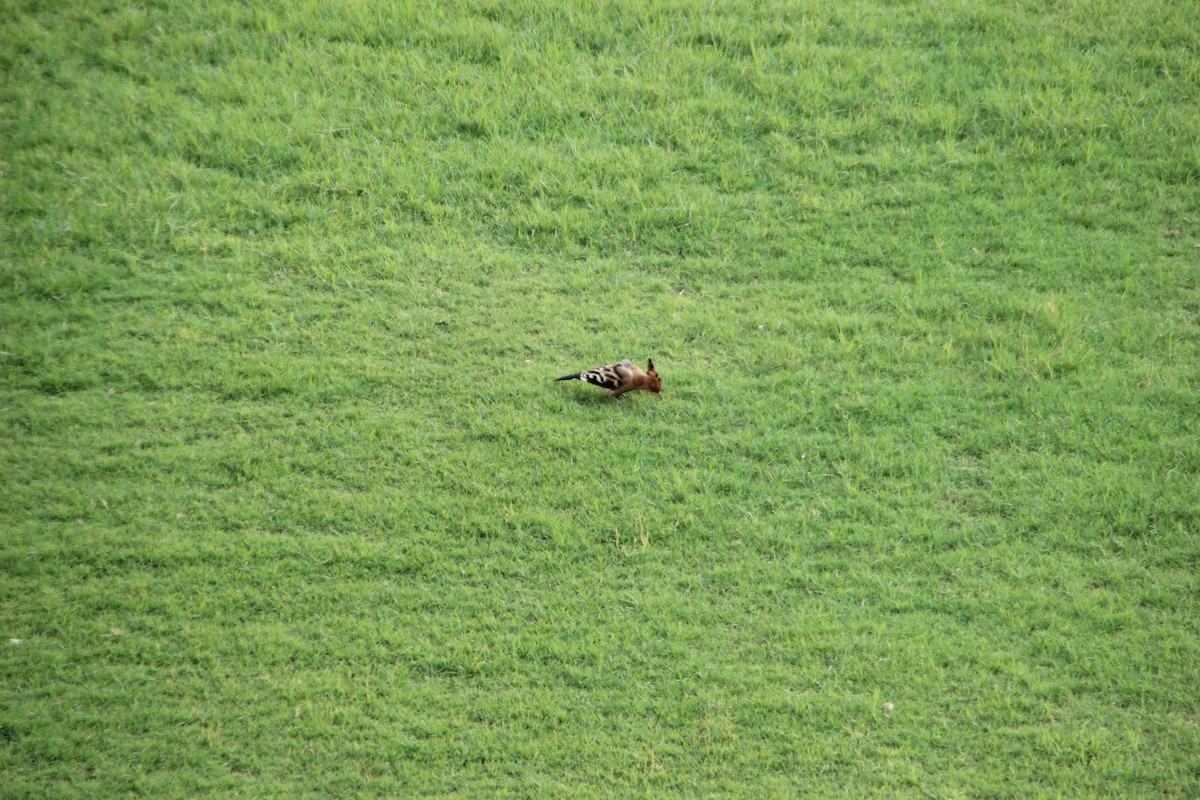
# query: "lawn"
[[291, 505]]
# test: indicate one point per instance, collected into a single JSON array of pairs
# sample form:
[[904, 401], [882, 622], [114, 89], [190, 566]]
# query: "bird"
[[619, 378]]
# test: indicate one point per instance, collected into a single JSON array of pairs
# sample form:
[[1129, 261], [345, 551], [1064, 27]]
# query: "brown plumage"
[[619, 378]]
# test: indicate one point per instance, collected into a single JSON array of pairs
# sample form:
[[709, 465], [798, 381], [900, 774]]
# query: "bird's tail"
[[569, 377]]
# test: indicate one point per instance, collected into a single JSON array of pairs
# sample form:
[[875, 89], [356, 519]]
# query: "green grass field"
[[290, 505]]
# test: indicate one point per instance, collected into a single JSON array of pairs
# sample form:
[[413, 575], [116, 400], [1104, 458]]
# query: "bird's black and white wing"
[[611, 377]]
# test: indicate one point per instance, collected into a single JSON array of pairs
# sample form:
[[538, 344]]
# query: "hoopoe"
[[619, 378]]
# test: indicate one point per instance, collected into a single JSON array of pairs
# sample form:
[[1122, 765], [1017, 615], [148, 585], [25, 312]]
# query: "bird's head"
[[654, 383]]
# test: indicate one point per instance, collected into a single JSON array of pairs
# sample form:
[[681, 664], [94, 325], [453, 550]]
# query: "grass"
[[291, 506]]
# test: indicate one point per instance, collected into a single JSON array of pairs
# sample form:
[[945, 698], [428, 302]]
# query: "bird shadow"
[[599, 400], [594, 399]]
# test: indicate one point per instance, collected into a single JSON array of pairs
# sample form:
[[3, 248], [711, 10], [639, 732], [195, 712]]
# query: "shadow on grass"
[[596, 399]]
